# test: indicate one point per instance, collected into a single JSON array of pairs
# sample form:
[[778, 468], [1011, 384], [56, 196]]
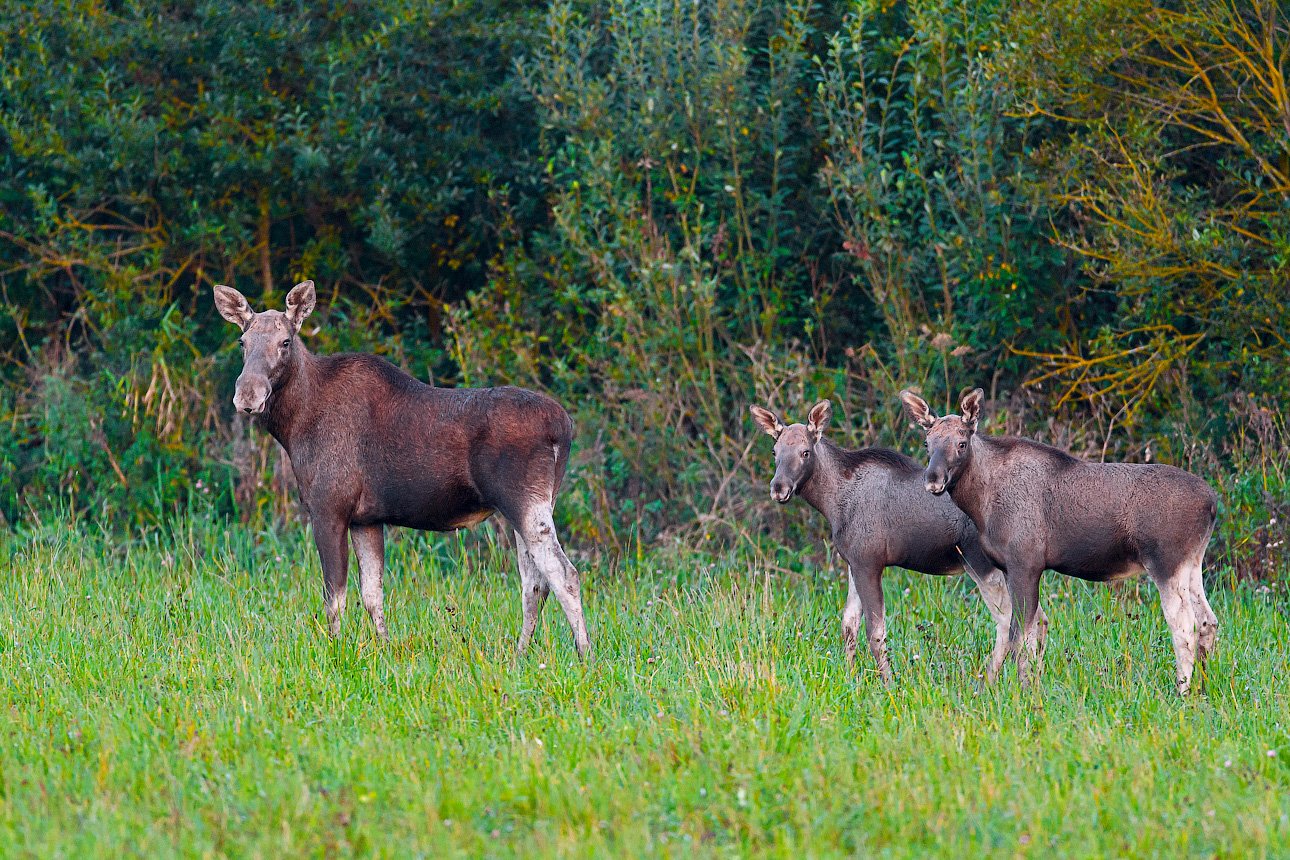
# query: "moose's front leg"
[[333, 551], [1028, 632], [851, 621], [868, 582], [369, 549]]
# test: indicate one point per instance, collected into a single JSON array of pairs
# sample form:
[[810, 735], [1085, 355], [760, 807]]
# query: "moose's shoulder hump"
[[1016, 445], [365, 364], [852, 460]]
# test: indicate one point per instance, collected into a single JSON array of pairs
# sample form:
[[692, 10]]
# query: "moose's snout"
[[781, 491], [249, 405], [251, 395], [936, 477]]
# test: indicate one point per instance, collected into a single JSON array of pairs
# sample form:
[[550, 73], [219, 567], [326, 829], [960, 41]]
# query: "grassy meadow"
[[176, 696]]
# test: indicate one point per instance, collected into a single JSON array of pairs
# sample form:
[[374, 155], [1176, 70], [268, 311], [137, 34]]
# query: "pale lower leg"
[[1041, 634], [994, 591], [369, 548], [851, 621], [335, 605], [560, 574], [533, 592], [876, 631], [1028, 633], [868, 584], [1175, 600], [1206, 620]]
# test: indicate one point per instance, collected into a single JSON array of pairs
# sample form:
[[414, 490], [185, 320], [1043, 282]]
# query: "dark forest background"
[[660, 212]]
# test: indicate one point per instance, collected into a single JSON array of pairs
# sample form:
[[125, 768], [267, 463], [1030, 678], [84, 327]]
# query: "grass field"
[[177, 696]]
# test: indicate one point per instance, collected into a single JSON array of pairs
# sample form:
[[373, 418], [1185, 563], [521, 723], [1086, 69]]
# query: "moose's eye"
[[962, 445], [806, 455], [286, 343]]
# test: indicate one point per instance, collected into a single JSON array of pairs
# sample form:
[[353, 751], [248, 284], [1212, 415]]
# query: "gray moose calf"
[[1038, 508], [880, 515]]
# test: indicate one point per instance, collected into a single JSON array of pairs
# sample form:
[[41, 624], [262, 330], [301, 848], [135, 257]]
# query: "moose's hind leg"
[[533, 592], [1206, 620], [994, 591], [1176, 601], [538, 532]]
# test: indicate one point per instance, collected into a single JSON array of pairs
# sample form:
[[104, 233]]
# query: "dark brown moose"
[[371, 446], [1038, 508], [880, 515]]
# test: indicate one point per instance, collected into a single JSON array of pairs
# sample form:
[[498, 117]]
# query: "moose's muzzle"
[[935, 480], [781, 491], [251, 394]]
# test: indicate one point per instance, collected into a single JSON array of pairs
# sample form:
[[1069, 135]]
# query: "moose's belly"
[[467, 521], [933, 559], [437, 509], [1109, 564], [438, 521]]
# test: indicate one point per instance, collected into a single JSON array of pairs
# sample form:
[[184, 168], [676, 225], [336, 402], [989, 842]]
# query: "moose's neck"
[[970, 489], [288, 403], [821, 490]]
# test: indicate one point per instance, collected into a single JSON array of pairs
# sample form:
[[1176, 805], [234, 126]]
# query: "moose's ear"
[[970, 407], [917, 409], [233, 306], [818, 419], [766, 420], [300, 303]]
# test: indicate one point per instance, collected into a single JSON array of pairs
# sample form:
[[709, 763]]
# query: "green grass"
[[177, 696]]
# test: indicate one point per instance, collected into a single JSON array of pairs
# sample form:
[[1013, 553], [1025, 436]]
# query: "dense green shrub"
[[678, 263], [1171, 158], [934, 195], [660, 212]]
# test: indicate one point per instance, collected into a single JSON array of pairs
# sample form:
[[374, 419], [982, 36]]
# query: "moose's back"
[[882, 497], [1095, 521], [395, 450]]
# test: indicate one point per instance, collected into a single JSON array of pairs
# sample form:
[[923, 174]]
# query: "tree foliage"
[[659, 211], [1174, 167]]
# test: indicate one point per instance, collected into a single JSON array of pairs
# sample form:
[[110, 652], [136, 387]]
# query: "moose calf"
[[1037, 507], [880, 515], [371, 446]]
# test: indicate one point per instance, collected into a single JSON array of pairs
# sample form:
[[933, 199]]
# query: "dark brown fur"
[[371, 446]]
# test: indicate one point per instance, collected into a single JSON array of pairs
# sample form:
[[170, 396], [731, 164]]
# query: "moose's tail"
[[561, 437]]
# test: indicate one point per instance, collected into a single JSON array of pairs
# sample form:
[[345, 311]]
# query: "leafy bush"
[[660, 213], [675, 273]]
